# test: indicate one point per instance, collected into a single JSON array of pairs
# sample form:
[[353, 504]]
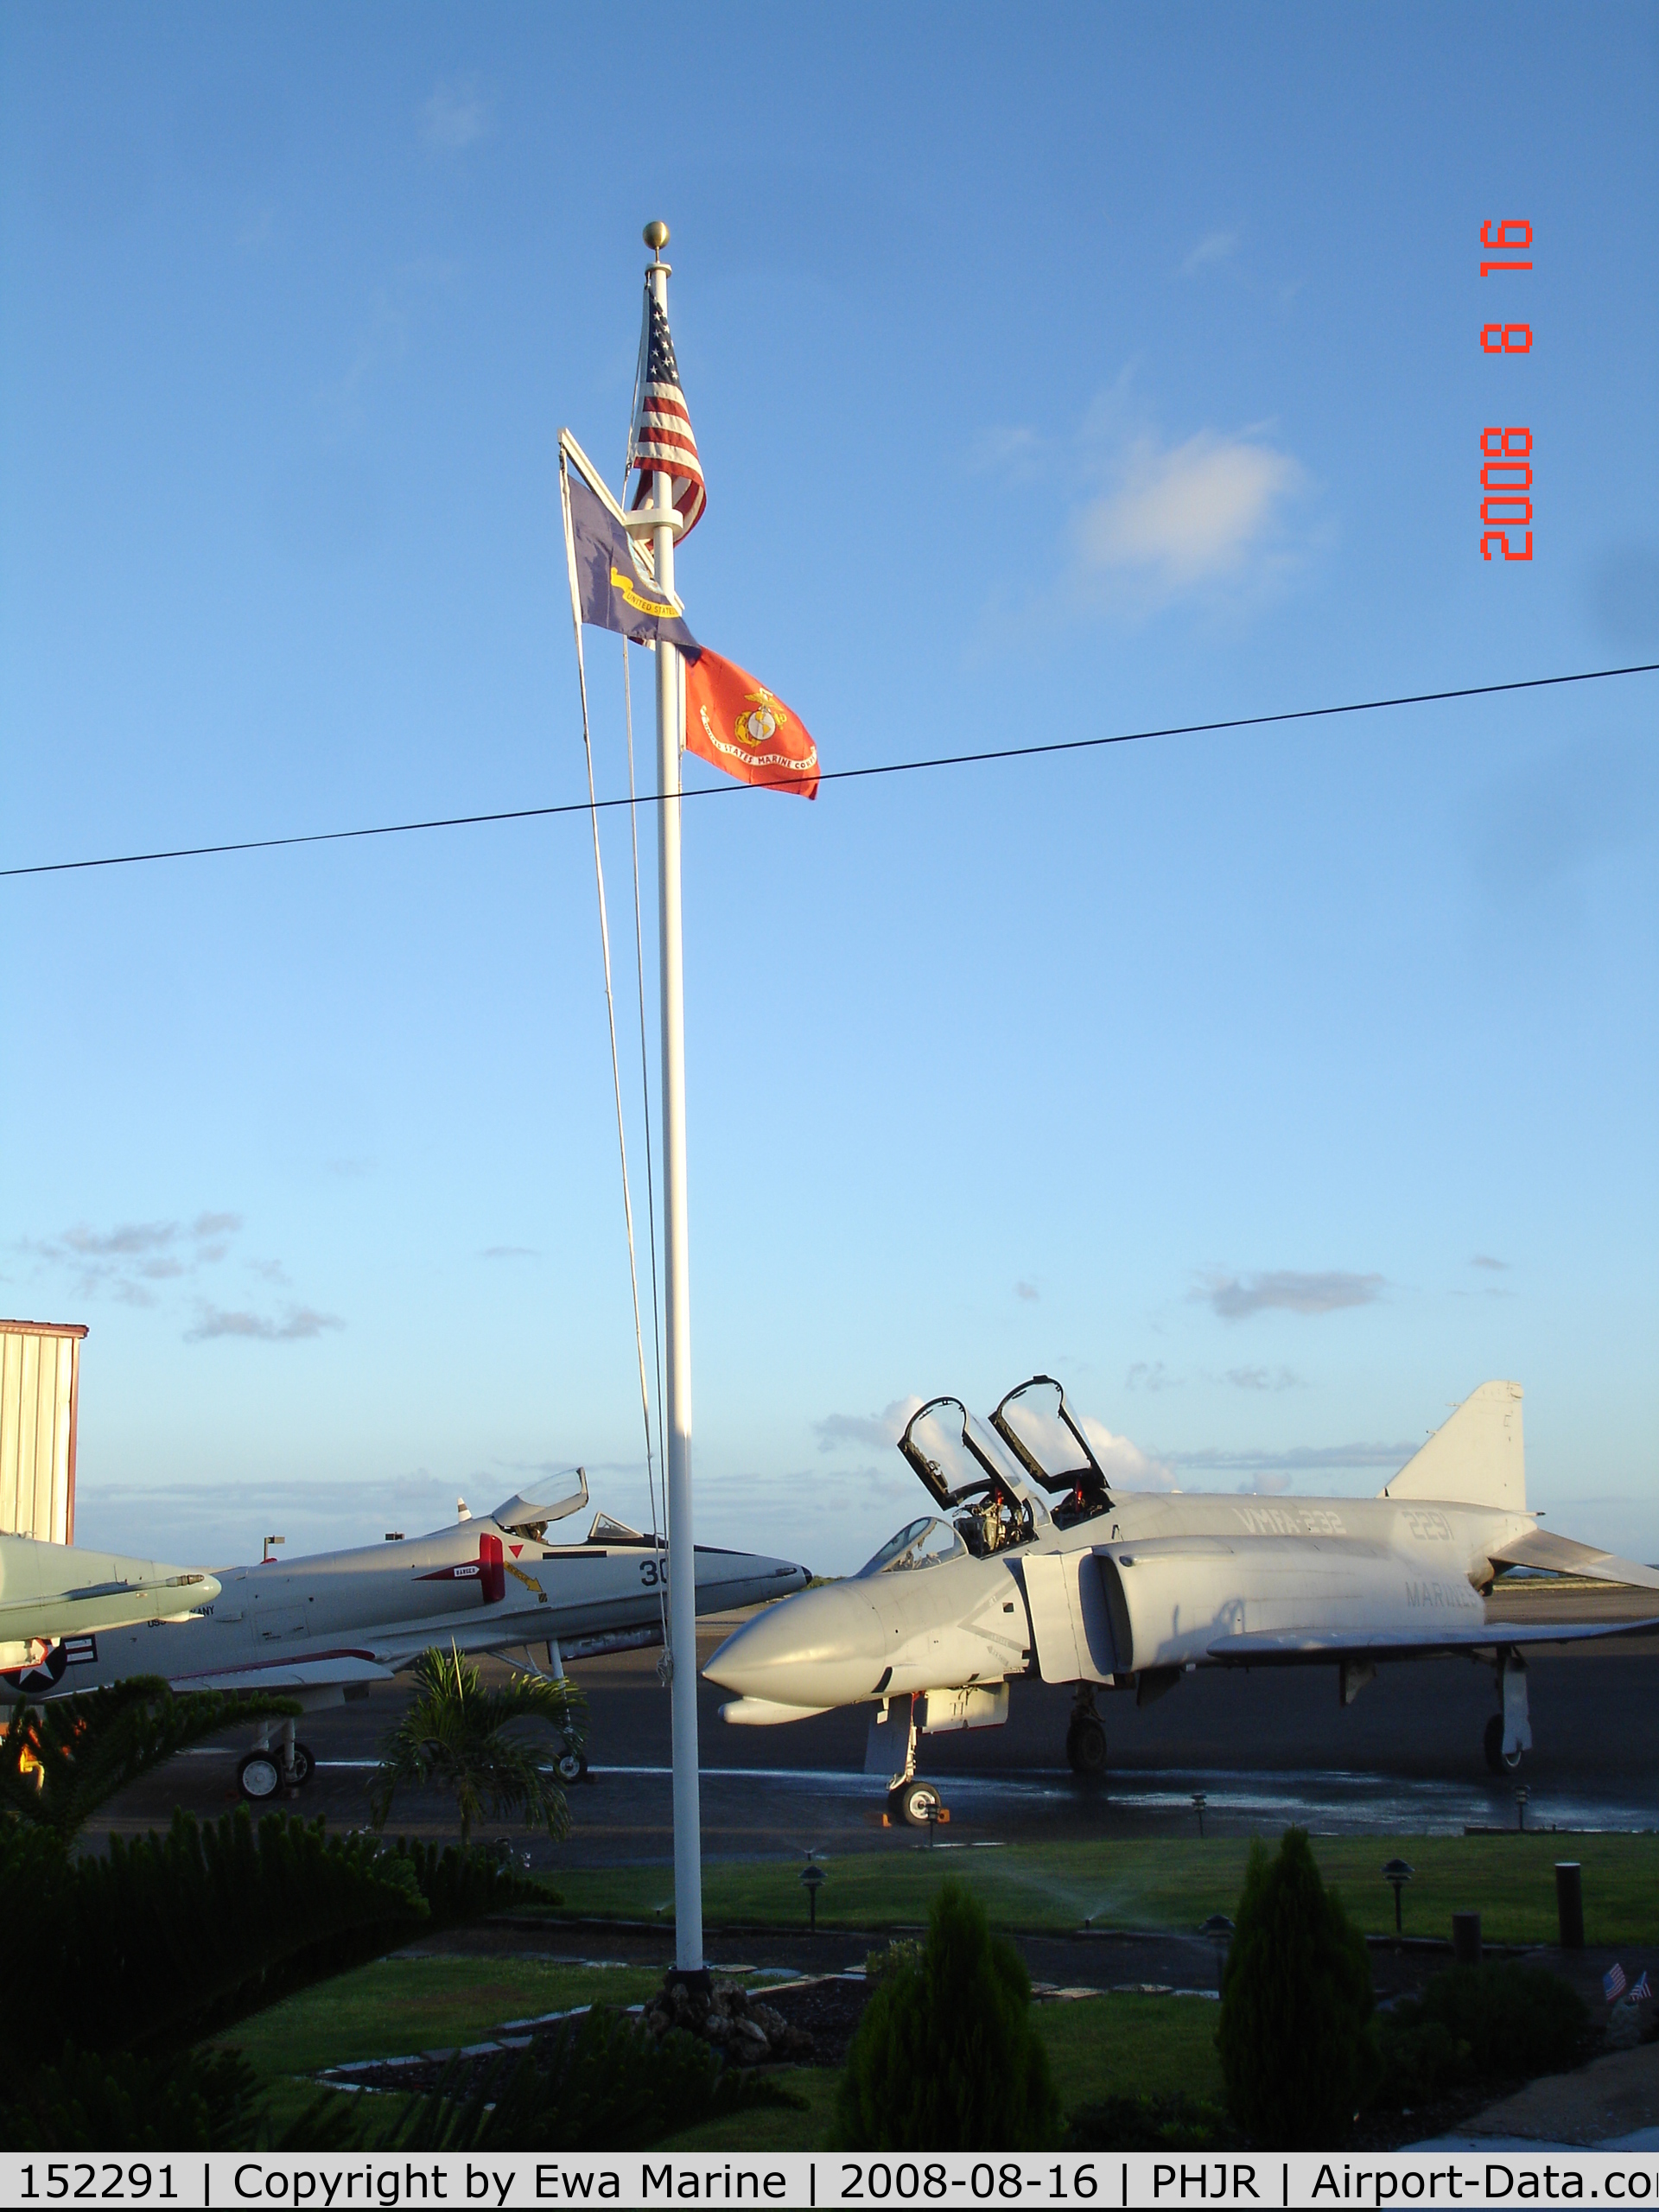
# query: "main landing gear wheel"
[[571, 1766], [304, 1765], [259, 1777], [1499, 1760], [1085, 1746], [914, 1802]]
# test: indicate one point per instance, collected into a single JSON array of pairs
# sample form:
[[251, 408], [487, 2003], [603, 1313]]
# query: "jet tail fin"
[[1477, 1458]]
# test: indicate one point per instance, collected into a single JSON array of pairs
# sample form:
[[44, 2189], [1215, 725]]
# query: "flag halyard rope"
[[610, 1014]]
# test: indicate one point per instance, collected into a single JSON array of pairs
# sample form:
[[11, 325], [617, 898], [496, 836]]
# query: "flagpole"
[[682, 1554]]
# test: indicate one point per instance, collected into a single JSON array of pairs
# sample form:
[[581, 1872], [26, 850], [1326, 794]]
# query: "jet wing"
[[1287, 1647], [329, 1671], [1560, 1555]]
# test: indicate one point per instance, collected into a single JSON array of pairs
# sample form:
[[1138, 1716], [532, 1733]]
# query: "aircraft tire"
[[571, 1766], [305, 1765], [1497, 1759], [913, 1799], [259, 1777], [1085, 1747]]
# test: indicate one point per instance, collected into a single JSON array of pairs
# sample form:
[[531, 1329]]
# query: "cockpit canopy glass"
[[1034, 1419], [920, 1543], [957, 1456]]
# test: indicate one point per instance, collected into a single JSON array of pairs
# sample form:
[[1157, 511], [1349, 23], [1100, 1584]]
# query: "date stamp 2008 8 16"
[[1506, 470]]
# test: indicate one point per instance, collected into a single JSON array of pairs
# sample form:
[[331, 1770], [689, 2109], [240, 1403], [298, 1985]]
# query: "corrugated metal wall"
[[40, 1376]]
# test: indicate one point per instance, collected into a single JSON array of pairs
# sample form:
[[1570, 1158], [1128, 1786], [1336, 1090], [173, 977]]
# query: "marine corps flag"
[[737, 724]]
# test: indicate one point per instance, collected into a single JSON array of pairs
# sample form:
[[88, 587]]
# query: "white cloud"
[[1215, 247], [1236, 1297], [1124, 1464], [299, 1323], [1261, 1378], [1151, 1375], [836, 1430], [453, 116], [1189, 514]]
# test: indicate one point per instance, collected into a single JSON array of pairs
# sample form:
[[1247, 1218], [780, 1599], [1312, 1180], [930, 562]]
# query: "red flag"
[[737, 724]]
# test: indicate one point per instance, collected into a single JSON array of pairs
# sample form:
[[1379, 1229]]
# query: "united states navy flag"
[[614, 586]]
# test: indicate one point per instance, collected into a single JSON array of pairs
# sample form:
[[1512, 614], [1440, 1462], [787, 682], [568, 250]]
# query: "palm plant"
[[457, 1736], [61, 1761]]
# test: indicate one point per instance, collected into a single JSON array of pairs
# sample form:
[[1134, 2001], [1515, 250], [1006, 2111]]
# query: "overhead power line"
[[833, 775]]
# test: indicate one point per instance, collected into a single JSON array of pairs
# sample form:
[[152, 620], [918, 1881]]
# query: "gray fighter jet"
[[322, 1629], [1035, 1565], [51, 1591]]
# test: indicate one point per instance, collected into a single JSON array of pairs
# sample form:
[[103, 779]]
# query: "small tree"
[[946, 2057], [457, 1736], [61, 1761], [1295, 2042]]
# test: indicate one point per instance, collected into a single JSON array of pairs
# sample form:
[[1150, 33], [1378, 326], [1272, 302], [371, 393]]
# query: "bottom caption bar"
[[640, 2179]]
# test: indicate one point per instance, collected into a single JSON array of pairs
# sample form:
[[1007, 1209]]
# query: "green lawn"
[[1168, 1882], [1098, 2046], [394, 2006]]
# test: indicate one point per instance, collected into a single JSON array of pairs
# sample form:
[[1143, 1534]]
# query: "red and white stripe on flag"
[[660, 437]]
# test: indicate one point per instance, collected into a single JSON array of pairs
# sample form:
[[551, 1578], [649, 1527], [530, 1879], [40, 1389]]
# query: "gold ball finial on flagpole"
[[656, 236]]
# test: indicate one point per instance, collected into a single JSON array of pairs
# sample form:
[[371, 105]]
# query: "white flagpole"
[[682, 1555]]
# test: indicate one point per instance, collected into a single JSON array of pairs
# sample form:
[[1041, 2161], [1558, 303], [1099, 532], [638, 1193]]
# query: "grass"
[[394, 2006], [1098, 2046], [1168, 1882]]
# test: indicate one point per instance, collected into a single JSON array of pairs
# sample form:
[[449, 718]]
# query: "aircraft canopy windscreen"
[[920, 1543], [956, 1454], [1038, 1427]]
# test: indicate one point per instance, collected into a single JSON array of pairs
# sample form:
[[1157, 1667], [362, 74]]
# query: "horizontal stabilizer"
[[1477, 1458], [1291, 1646], [1560, 1555]]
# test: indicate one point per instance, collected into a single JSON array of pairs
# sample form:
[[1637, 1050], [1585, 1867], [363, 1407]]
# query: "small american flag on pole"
[[1612, 1981], [1640, 1991], [660, 437]]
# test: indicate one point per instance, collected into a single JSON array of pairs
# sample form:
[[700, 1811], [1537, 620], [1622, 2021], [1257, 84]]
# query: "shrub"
[[1297, 2053], [603, 2083], [94, 2102], [946, 2057], [1168, 2123], [1476, 2024], [171, 1937]]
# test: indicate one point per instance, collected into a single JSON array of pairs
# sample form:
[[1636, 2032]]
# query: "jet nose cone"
[[824, 1647]]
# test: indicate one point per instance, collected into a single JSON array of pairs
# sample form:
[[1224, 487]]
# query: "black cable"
[[837, 775]]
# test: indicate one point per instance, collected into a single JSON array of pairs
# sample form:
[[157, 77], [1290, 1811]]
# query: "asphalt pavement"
[[1264, 1748]]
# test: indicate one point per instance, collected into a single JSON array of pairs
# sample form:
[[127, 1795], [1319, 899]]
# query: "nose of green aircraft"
[[822, 1648]]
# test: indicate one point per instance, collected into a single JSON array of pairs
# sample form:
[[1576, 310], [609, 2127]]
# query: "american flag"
[[1640, 1991], [660, 433], [1613, 1980]]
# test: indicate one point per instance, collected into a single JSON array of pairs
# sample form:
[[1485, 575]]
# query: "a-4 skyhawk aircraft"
[[322, 1629], [1036, 1565]]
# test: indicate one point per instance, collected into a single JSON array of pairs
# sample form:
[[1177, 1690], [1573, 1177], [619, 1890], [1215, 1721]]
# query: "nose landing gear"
[[918, 1804]]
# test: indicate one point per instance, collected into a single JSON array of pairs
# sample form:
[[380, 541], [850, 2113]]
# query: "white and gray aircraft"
[[1036, 1565], [49, 1592], [322, 1629]]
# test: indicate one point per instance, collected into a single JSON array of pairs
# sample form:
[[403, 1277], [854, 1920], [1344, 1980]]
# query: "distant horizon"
[[1093, 370]]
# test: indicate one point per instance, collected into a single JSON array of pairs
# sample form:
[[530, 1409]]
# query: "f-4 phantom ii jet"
[[1034, 1564], [322, 1629]]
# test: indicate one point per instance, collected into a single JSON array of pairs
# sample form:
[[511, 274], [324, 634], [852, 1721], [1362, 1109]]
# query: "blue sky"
[[1055, 372]]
